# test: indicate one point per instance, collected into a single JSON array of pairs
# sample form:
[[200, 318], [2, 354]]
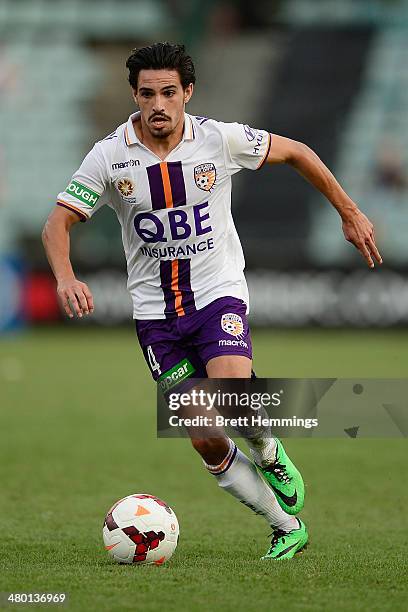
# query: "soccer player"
[[167, 175]]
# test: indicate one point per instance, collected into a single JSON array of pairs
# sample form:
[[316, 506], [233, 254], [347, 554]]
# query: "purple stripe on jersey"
[[201, 120], [156, 187], [184, 284], [165, 284], [178, 189]]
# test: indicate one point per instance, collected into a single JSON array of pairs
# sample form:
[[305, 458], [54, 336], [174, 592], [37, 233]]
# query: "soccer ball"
[[140, 529], [202, 181], [229, 327]]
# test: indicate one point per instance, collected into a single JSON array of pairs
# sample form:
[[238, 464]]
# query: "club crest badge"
[[204, 176], [232, 324]]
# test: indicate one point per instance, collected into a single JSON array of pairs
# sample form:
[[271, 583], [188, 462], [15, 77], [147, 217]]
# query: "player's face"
[[161, 99]]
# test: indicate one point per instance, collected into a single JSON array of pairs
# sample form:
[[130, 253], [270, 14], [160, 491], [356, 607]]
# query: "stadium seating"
[[377, 122], [319, 73], [44, 124], [48, 77]]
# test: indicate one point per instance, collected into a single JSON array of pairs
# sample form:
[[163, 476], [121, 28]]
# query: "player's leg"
[[234, 472], [237, 475], [261, 442], [163, 349], [224, 344]]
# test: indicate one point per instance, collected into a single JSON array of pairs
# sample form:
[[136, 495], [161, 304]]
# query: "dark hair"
[[159, 56]]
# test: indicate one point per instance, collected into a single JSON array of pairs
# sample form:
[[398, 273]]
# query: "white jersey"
[[181, 245]]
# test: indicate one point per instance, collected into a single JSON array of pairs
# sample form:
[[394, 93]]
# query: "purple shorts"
[[190, 341]]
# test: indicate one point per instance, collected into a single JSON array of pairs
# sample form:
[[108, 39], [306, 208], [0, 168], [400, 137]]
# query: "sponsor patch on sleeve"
[[83, 193]]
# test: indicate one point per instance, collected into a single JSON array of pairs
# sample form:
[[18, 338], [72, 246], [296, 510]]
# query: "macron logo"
[[126, 164], [232, 343]]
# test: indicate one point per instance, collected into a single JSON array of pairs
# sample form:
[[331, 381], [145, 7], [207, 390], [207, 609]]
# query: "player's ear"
[[188, 92], [134, 95]]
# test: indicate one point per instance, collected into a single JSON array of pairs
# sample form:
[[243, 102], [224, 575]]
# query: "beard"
[[163, 132]]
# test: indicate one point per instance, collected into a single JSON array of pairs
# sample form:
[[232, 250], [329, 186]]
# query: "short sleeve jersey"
[[180, 242]]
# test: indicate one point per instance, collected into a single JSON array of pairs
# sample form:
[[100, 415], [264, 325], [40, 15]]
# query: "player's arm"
[[357, 228], [73, 294], [84, 195]]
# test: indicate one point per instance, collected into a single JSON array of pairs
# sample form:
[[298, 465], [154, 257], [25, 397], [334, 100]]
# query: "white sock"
[[260, 441], [262, 450], [237, 475]]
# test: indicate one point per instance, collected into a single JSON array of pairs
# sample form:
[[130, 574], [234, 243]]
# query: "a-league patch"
[[83, 193], [205, 175], [125, 187], [232, 324]]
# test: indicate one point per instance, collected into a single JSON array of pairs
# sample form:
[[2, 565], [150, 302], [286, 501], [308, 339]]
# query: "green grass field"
[[78, 432]]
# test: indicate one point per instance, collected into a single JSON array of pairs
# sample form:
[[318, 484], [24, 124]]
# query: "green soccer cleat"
[[285, 480], [286, 544]]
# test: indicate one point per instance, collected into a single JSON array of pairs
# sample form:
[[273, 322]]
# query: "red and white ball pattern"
[[141, 529]]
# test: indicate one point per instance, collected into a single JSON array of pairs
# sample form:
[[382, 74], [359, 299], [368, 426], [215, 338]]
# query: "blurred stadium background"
[[331, 73], [77, 417]]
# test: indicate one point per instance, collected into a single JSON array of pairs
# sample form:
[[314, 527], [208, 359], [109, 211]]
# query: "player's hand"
[[75, 297], [359, 231]]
